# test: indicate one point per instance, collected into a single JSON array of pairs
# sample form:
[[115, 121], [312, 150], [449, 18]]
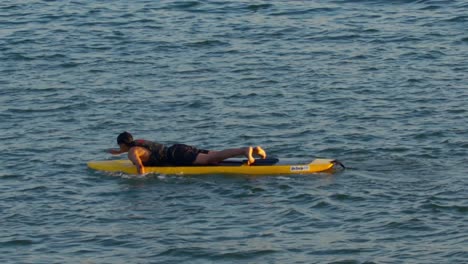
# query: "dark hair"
[[125, 138]]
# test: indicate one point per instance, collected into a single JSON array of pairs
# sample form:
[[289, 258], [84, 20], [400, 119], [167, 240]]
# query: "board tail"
[[338, 163]]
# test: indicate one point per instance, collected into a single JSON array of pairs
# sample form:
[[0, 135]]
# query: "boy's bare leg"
[[214, 157]]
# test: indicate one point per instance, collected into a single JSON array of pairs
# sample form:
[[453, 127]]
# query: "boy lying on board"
[[148, 153]]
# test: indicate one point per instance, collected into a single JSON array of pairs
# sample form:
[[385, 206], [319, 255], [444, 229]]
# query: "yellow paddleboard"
[[126, 166]]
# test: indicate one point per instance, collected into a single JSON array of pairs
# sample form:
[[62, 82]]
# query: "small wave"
[[410, 224], [465, 39], [346, 197], [138, 177], [238, 255], [48, 18], [69, 65], [196, 71], [243, 95], [303, 197], [4, 175], [15, 23], [321, 204], [345, 36], [257, 7], [350, 261], [284, 178], [16, 242], [10, 7], [124, 175], [206, 44], [379, 2], [36, 188], [439, 208], [303, 12], [457, 19], [431, 7], [290, 216], [15, 41], [183, 5], [341, 251], [46, 109], [19, 57]]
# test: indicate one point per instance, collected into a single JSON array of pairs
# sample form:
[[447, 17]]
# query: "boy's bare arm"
[[134, 156]]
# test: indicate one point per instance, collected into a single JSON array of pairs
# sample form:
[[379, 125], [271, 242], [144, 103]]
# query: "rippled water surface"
[[380, 85]]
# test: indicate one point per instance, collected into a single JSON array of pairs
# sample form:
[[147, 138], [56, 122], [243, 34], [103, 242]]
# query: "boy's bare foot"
[[260, 152], [248, 154]]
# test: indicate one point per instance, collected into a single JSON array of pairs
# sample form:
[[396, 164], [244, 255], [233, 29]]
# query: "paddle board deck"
[[260, 167]]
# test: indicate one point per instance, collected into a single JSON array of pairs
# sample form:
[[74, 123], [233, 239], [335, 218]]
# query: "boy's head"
[[125, 138]]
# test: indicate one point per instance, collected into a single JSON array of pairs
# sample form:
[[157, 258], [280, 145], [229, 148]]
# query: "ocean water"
[[380, 85]]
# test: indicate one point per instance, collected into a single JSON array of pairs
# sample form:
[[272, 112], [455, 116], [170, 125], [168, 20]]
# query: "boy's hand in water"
[[115, 151]]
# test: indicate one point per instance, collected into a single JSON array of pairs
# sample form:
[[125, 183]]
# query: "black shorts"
[[180, 154]]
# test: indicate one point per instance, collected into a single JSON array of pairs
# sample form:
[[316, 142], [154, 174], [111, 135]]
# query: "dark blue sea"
[[380, 85]]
